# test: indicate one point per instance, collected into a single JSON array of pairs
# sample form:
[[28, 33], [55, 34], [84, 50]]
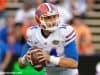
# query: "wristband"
[[54, 60], [23, 60]]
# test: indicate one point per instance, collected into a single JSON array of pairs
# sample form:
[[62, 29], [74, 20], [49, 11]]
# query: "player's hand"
[[27, 56], [43, 56]]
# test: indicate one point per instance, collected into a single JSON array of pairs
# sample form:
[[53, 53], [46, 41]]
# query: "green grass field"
[[28, 70]]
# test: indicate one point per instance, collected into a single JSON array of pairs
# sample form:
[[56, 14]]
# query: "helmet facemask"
[[50, 22]]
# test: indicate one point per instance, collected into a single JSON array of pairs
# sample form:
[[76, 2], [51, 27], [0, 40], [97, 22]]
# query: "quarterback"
[[56, 40]]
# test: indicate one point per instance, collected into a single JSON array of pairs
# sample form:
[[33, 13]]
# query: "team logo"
[[55, 42]]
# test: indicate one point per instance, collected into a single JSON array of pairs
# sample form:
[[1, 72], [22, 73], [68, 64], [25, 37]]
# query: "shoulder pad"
[[31, 32], [68, 33], [66, 29]]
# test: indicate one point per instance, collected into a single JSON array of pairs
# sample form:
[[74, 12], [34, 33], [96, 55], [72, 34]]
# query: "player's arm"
[[71, 56], [70, 50], [25, 55]]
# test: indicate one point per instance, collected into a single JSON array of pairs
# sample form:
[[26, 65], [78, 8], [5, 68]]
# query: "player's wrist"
[[54, 60], [23, 60]]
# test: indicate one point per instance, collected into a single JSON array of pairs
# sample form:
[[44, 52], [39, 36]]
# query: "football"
[[34, 61]]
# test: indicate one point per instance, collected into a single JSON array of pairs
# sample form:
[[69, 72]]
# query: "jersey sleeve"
[[70, 48], [68, 34], [24, 49], [71, 51]]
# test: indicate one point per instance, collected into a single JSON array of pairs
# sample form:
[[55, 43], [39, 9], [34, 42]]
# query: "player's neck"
[[45, 33]]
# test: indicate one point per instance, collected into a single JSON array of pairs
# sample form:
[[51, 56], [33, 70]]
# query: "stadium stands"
[[93, 21]]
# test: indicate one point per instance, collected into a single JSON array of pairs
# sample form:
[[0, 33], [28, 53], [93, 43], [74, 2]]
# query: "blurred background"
[[17, 15]]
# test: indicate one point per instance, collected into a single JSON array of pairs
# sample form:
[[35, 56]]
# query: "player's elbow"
[[74, 65]]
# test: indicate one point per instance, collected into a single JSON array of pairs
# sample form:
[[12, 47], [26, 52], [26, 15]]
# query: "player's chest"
[[54, 41]]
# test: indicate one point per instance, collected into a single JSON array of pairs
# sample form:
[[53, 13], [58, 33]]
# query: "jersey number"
[[53, 52]]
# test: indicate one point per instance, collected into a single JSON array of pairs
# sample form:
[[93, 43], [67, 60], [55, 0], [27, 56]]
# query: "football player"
[[55, 39]]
